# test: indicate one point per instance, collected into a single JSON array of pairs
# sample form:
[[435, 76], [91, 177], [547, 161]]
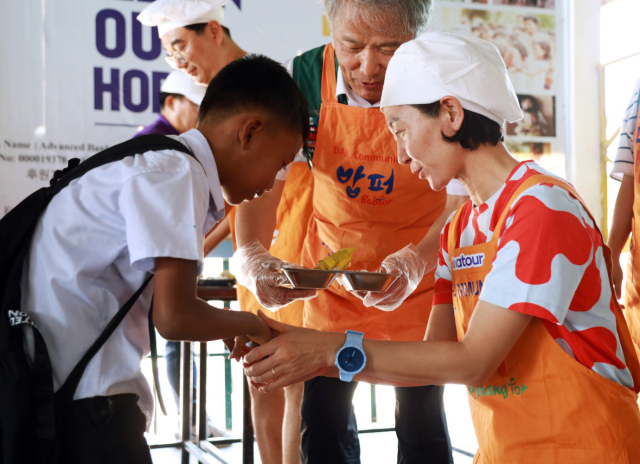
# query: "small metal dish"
[[363, 281], [312, 279]]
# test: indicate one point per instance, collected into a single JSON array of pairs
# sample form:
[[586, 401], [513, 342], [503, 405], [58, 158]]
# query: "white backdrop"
[[80, 75]]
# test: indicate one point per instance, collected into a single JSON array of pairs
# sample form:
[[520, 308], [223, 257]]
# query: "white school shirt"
[[342, 88], [94, 246]]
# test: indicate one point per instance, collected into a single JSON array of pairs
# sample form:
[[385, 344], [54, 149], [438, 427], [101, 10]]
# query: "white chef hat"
[[180, 83], [437, 64], [172, 14]]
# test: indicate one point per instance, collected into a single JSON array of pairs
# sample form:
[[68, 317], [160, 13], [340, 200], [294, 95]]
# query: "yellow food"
[[337, 261]]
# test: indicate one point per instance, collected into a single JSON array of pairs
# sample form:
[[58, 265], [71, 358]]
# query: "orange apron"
[[363, 198], [291, 229], [632, 286], [542, 406]]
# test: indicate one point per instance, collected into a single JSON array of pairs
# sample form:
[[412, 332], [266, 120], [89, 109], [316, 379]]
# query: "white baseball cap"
[[179, 83], [438, 64], [172, 14]]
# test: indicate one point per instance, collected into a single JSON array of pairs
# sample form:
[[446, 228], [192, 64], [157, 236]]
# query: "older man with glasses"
[[362, 198]]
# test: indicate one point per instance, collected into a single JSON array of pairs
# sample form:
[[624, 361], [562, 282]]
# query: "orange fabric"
[[363, 198], [632, 286], [291, 229], [541, 405]]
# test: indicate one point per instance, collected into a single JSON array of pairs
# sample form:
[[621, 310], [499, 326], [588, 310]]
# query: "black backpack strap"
[[68, 389], [153, 345], [118, 152]]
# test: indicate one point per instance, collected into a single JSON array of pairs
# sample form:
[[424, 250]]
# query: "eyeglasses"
[[178, 57]]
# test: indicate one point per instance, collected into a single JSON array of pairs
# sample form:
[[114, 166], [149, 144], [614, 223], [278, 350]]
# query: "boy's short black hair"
[[199, 28], [164, 95], [256, 82], [475, 130]]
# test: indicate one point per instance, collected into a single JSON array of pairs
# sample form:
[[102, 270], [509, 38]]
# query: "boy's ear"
[[250, 127]]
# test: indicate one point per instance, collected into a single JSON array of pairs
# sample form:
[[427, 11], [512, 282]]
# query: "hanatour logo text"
[[465, 262]]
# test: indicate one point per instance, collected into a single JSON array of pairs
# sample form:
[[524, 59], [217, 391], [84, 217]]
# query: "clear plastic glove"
[[411, 266], [259, 272]]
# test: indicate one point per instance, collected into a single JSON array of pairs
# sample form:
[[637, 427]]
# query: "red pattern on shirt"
[[542, 233], [537, 223]]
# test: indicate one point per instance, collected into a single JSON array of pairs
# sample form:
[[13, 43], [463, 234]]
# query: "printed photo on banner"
[[467, 1], [531, 3], [539, 117], [541, 153], [527, 42]]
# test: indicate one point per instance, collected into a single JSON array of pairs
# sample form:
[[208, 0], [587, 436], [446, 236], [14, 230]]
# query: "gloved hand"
[[259, 273], [411, 266]]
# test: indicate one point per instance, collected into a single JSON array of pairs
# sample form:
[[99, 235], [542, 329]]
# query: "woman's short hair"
[[475, 130]]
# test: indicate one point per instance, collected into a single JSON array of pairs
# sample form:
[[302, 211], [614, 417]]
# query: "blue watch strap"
[[346, 377], [354, 338]]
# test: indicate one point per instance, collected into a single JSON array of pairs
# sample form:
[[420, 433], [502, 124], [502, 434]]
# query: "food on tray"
[[338, 261]]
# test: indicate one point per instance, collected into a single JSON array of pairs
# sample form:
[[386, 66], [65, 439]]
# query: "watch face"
[[350, 359]]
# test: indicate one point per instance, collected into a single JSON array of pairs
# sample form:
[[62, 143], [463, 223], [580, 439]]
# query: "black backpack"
[[29, 409]]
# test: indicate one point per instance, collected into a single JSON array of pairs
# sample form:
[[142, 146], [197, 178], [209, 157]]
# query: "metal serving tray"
[[312, 279], [363, 281]]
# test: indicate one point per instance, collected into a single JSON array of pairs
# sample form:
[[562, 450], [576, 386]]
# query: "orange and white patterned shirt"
[[549, 264]]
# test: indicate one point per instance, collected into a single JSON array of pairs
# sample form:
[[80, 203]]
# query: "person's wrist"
[[334, 345], [255, 325]]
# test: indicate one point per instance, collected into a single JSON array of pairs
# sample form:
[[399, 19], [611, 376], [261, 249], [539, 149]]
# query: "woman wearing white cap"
[[524, 313]]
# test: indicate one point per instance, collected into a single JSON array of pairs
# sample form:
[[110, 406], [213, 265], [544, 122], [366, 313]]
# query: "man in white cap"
[[194, 35], [362, 198], [523, 312], [198, 43], [180, 101]]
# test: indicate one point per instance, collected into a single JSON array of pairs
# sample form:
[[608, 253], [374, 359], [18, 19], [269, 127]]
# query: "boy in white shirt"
[[101, 236]]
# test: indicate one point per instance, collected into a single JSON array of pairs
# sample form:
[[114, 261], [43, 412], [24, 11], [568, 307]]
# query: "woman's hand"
[[295, 355]]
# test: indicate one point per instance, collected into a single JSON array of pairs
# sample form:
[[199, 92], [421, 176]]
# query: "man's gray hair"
[[390, 17]]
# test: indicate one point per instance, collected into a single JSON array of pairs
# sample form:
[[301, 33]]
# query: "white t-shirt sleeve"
[[288, 65], [623, 164], [455, 187], [165, 214]]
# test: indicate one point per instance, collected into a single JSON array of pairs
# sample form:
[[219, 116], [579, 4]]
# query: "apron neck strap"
[[328, 94], [452, 239], [530, 182]]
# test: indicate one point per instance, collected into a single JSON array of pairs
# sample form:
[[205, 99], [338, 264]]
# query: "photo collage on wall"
[[527, 34]]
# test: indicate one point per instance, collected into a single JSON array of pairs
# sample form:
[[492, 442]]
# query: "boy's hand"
[[243, 344], [240, 348], [262, 333]]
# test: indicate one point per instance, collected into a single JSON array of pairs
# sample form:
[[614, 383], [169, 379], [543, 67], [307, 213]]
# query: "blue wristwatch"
[[351, 359]]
